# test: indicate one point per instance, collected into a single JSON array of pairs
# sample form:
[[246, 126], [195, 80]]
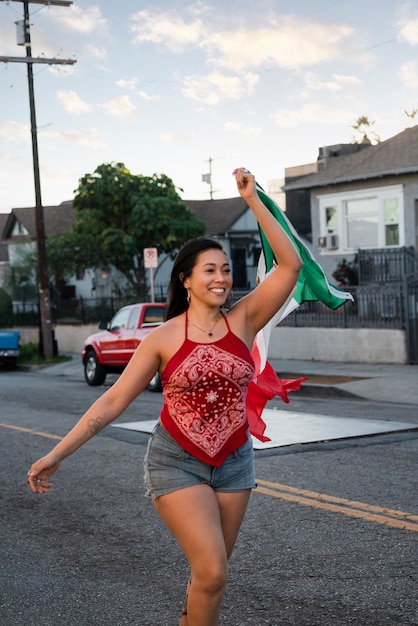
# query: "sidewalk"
[[384, 383]]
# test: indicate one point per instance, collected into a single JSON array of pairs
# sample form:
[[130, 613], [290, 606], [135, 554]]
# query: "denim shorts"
[[168, 467]]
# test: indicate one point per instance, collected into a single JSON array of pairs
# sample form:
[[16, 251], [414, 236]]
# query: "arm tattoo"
[[95, 424]]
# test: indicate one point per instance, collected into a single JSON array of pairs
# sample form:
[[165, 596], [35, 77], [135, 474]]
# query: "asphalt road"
[[94, 552]]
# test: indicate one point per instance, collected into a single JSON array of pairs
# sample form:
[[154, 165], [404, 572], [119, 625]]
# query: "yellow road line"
[[388, 517], [353, 503], [314, 499], [32, 432]]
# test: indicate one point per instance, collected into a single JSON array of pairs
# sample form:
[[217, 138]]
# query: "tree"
[[120, 214], [6, 308], [69, 252], [412, 114], [363, 127]]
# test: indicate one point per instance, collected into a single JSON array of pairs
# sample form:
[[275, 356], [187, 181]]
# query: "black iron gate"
[[411, 322]]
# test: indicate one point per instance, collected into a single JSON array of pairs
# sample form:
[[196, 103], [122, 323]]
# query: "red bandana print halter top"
[[205, 389]]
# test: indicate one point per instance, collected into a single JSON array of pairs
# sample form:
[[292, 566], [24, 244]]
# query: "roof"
[[57, 219], [395, 156], [218, 215]]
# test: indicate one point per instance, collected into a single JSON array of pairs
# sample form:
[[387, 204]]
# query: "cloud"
[[169, 27], [88, 138], [12, 131], [80, 20], [337, 83], [121, 106], [148, 97], [129, 84], [95, 52], [409, 73], [242, 129], [215, 87], [408, 25], [311, 113], [341, 83], [72, 103], [287, 41], [174, 137]]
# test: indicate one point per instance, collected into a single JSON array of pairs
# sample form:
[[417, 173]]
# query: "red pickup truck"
[[109, 351]]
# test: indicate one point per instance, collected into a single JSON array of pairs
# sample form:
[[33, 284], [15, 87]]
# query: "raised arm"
[[261, 304]]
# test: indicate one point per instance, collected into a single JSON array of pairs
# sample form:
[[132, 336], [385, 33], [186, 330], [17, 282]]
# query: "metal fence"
[[73, 311], [412, 319], [374, 306], [386, 265]]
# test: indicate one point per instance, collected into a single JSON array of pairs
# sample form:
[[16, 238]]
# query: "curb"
[[324, 391]]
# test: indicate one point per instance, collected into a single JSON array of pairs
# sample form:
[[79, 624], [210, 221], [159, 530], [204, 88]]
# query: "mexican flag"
[[311, 285]]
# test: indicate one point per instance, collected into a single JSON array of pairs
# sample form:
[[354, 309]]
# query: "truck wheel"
[[155, 383], [10, 364], [94, 372]]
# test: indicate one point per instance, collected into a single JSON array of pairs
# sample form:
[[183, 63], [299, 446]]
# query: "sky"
[[164, 86]]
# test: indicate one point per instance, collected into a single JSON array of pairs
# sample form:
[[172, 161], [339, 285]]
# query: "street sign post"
[[151, 262]]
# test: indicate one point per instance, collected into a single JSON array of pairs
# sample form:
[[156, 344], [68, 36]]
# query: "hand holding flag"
[[312, 285]]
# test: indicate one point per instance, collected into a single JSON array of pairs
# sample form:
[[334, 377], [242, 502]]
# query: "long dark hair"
[[182, 269]]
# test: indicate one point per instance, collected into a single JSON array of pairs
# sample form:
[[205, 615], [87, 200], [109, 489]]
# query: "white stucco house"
[[361, 196]]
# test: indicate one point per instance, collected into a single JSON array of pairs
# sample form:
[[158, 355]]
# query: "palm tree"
[[363, 128], [412, 114]]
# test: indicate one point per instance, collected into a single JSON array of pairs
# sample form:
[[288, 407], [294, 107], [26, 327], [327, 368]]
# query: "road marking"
[[314, 499], [359, 510], [32, 432]]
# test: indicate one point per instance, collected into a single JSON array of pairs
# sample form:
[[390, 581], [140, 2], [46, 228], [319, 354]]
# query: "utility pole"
[[23, 34], [207, 178]]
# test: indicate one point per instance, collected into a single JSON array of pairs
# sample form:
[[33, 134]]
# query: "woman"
[[199, 467]]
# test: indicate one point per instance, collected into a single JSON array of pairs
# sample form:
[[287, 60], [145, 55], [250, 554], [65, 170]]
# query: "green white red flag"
[[312, 285]]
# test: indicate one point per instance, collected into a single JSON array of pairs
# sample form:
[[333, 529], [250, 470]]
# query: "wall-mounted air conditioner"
[[328, 242], [332, 242]]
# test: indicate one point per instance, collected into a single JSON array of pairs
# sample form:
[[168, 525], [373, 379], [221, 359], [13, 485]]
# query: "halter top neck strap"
[[186, 321]]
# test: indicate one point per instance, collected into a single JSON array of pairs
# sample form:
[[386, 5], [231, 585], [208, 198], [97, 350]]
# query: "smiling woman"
[[199, 466]]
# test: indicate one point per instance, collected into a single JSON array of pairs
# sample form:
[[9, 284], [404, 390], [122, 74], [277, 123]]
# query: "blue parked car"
[[9, 348]]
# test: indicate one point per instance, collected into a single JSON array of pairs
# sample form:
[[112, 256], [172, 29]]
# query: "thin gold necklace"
[[209, 333]]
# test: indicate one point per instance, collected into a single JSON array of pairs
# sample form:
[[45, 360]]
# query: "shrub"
[[29, 353], [346, 273]]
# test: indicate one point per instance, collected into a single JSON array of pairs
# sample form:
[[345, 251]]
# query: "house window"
[[331, 220], [367, 218], [362, 223], [391, 211]]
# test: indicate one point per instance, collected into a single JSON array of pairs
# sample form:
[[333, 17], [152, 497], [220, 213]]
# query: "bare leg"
[[183, 620], [206, 525]]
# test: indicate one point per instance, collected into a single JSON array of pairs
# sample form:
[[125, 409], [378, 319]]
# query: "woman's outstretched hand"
[[245, 183], [39, 473]]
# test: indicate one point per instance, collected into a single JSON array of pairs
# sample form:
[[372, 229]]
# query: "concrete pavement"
[[382, 383]]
